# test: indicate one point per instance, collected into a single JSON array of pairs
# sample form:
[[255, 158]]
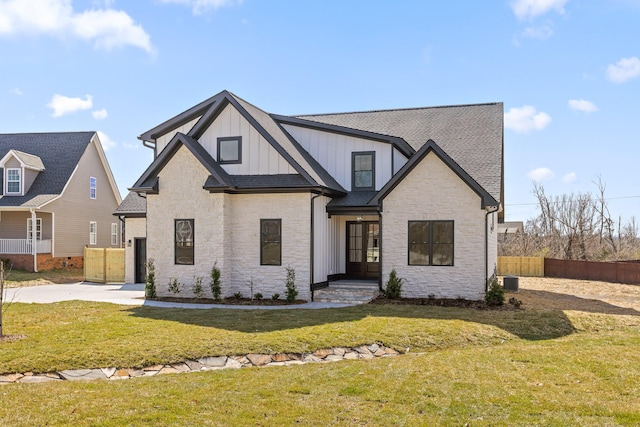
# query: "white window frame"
[[93, 187], [19, 181], [38, 229], [93, 233], [114, 234]]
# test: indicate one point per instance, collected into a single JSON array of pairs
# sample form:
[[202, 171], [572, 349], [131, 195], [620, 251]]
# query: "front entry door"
[[140, 254], [363, 249]]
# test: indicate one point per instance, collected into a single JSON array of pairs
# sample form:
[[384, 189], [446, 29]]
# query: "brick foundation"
[[45, 261]]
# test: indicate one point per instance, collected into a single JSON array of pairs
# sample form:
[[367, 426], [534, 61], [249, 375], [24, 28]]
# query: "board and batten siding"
[[432, 191], [75, 209], [258, 155], [13, 225], [163, 140], [326, 238], [333, 151]]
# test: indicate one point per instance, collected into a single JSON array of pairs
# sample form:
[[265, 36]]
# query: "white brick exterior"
[[134, 227], [432, 191], [227, 232]]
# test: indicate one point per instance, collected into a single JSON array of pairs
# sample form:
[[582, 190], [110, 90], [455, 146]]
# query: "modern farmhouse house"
[[333, 196], [57, 195]]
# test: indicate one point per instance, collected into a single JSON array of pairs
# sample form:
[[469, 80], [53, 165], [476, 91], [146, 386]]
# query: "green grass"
[[477, 367]]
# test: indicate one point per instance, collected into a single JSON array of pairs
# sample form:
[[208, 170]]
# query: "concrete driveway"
[[127, 294]]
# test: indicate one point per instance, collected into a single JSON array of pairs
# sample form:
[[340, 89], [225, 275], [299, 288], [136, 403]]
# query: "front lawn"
[[19, 278], [475, 367]]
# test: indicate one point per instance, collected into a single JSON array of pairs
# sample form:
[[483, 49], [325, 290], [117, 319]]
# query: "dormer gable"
[[19, 171]]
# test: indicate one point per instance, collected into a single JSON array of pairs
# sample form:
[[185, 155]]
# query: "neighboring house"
[[57, 195], [509, 230], [348, 195]]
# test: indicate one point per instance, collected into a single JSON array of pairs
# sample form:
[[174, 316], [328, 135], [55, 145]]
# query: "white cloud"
[[582, 105], [623, 70], [529, 9], [16, 91], [62, 105], [130, 146], [525, 119], [540, 33], [100, 114], [541, 174], [201, 6], [107, 142], [569, 178], [107, 28]]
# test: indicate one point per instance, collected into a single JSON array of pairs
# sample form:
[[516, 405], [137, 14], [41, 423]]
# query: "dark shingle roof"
[[132, 205], [471, 134], [60, 152]]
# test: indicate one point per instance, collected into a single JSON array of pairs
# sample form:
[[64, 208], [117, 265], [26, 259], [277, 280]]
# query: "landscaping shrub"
[[495, 294], [393, 289], [216, 289], [275, 297], [174, 286], [290, 284], [258, 296], [197, 287], [150, 280]]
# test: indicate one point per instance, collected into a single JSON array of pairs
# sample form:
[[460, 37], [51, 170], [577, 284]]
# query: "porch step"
[[347, 292]]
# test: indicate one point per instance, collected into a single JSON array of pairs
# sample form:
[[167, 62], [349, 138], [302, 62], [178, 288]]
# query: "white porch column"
[[34, 239]]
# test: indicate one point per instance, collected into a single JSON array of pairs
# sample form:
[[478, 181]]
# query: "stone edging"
[[207, 364]]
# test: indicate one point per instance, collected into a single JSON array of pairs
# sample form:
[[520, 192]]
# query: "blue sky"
[[567, 71]]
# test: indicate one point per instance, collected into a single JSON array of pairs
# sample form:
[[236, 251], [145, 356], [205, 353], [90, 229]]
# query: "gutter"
[[34, 239], [490, 210]]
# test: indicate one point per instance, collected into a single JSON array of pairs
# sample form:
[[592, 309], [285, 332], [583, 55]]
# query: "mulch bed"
[[443, 302], [230, 301]]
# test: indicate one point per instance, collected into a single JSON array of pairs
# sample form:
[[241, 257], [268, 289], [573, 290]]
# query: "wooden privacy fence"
[[103, 265], [521, 266], [616, 272]]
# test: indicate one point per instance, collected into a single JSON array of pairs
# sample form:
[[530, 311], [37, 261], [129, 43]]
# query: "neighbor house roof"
[[133, 205], [59, 154]]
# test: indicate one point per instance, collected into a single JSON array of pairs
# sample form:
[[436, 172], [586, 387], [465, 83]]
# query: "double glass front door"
[[363, 249]]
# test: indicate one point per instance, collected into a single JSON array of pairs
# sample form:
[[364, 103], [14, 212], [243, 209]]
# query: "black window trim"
[[230, 138], [262, 221], [353, 170], [193, 242], [431, 264]]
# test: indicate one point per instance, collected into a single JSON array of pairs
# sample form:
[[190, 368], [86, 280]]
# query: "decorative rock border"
[[207, 364]]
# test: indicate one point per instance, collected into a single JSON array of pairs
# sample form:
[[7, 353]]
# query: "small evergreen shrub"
[[197, 287], [237, 295], [290, 284], [216, 290], [258, 296], [275, 297], [393, 289], [495, 294], [174, 286], [150, 280]]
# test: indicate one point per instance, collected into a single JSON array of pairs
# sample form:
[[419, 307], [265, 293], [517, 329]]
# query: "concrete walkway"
[[128, 294]]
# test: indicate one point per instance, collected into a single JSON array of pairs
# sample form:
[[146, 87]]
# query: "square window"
[[430, 243], [230, 150], [363, 170]]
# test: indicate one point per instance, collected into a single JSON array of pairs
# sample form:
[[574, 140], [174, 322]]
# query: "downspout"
[[486, 246], [381, 249], [34, 235], [312, 252], [152, 145]]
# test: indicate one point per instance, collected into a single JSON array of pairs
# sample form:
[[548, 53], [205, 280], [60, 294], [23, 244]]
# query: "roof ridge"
[[398, 109], [49, 133]]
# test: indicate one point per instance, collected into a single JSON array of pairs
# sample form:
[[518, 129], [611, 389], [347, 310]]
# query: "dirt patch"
[[579, 295], [9, 338]]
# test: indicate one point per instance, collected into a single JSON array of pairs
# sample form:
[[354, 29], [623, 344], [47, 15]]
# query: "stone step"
[[345, 294]]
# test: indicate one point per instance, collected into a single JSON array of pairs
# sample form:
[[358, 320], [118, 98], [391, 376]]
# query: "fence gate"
[[102, 265]]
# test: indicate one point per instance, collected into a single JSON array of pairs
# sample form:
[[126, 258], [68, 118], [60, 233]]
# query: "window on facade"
[[270, 242], [184, 241], [430, 242], [114, 234], [363, 170], [13, 181], [92, 187], [230, 150], [93, 233], [38, 229]]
